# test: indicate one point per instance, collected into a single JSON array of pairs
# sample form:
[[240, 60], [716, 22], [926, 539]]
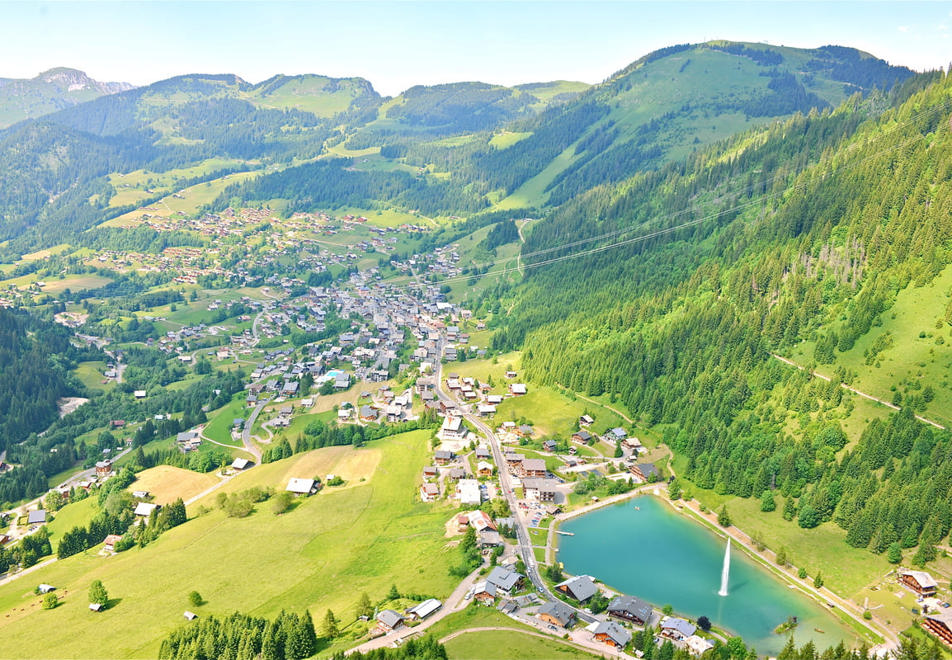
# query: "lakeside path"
[[768, 559]]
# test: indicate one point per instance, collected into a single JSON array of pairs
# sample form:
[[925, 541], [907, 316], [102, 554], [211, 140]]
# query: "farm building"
[[300, 486]]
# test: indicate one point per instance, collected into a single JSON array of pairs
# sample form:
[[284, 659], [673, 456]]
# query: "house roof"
[[615, 632], [485, 587], [426, 608], [503, 578], [631, 606], [581, 587], [390, 618], [533, 465], [300, 486], [683, 627], [923, 578], [36, 517], [558, 611], [648, 469], [240, 463], [145, 508]]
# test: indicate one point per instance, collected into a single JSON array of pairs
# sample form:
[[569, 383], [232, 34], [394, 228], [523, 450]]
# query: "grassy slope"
[[910, 358], [322, 554], [487, 645]]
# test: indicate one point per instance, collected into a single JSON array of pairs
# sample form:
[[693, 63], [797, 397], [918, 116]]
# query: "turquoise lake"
[[662, 557]]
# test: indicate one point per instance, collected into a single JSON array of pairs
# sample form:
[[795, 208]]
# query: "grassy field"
[[70, 516], [505, 139], [553, 413], [219, 429], [91, 375], [166, 483], [492, 644], [532, 192], [918, 353], [320, 555], [56, 286]]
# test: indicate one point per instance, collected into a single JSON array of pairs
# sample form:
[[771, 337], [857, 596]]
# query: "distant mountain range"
[[25, 98], [460, 147]]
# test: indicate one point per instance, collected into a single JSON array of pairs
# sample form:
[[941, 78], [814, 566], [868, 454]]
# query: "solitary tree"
[[724, 518], [393, 594], [782, 557], [818, 580], [704, 623], [195, 599], [329, 629], [364, 606], [98, 594], [50, 601]]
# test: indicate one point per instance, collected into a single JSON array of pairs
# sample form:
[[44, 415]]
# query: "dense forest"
[[810, 230]]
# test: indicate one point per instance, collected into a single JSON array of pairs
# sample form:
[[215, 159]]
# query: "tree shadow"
[[111, 603]]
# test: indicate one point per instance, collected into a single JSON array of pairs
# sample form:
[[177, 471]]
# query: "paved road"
[[250, 447]]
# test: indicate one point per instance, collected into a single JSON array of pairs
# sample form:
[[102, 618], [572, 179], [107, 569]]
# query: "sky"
[[399, 44]]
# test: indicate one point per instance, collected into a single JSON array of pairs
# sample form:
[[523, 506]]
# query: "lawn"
[[219, 429], [491, 644], [71, 515], [322, 554], [482, 370], [91, 375], [167, 483], [553, 413]]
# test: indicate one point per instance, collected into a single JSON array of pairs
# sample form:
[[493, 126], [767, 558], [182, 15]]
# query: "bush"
[[50, 601], [196, 599]]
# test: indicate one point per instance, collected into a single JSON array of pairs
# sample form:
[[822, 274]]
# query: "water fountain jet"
[[725, 572]]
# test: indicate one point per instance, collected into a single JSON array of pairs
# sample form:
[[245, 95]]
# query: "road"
[[250, 447], [524, 548]]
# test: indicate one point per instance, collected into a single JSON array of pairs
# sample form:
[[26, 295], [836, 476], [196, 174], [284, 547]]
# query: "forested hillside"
[[807, 229]]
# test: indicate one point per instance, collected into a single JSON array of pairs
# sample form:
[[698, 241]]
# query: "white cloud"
[[903, 28]]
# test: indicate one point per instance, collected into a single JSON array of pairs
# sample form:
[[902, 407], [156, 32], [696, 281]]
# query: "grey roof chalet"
[[390, 618], [648, 470], [443, 454], [681, 626], [36, 517], [558, 611], [533, 465], [629, 606], [584, 436], [367, 411], [580, 587], [619, 433], [615, 632], [503, 578]]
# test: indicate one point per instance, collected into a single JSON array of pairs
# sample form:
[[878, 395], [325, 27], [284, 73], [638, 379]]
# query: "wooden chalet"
[[920, 582]]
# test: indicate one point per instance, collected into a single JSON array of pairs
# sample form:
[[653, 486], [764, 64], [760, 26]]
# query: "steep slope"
[[660, 109], [48, 92], [807, 229]]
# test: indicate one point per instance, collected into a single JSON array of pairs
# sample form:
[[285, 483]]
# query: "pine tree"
[[329, 627], [98, 594], [723, 517], [364, 606], [767, 503], [894, 553]]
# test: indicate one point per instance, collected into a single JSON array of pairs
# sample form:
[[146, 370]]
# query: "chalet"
[[96, 607], [532, 468], [697, 645], [517, 389], [484, 592], [484, 469], [109, 545], [145, 509], [582, 437], [677, 629], [456, 473], [424, 609], [557, 613], [504, 579], [645, 472], [585, 420], [240, 464], [510, 374], [489, 539], [468, 492], [342, 382], [462, 523], [548, 445], [45, 588], [37, 517], [940, 625], [343, 414], [919, 581], [580, 587], [389, 620], [300, 486], [539, 490], [139, 394], [430, 472], [486, 409], [514, 461], [480, 521], [368, 414], [452, 428], [482, 454], [631, 609], [494, 399], [443, 457], [103, 469], [609, 632], [524, 431], [429, 492]]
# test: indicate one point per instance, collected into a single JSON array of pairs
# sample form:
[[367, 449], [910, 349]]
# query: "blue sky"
[[398, 44]]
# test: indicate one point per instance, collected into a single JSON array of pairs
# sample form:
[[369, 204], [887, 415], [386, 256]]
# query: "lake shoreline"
[[858, 629]]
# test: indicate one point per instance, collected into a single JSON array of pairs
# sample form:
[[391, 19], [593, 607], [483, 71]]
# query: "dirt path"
[[888, 404], [606, 407]]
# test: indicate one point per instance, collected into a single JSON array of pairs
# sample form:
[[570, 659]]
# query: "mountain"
[[48, 92], [825, 238]]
